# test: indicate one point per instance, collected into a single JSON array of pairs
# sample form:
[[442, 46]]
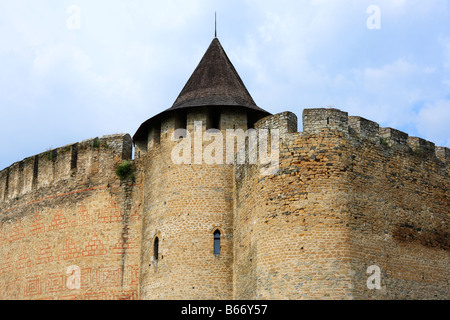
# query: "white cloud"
[[411, 7], [62, 55], [382, 77], [390, 94], [433, 120]]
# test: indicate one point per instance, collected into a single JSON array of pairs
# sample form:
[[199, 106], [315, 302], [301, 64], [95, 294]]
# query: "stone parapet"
[[73, 164]]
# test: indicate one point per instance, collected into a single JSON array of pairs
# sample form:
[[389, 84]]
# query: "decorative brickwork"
[[78, 219]]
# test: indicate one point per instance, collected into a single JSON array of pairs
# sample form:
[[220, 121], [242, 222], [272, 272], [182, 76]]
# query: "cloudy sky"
[[74, 70]]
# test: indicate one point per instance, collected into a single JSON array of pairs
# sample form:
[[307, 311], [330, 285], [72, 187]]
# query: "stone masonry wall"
[[398, 201], [69, 229], [290, 239], [184, 204], [347, 197]]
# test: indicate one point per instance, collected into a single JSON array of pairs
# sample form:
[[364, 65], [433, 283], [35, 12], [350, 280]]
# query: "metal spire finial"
[[215, 24]]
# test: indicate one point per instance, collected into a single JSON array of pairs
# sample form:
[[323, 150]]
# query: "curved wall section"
[[183, 205], [349, 198]]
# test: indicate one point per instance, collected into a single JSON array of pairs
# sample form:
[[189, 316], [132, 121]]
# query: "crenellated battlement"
[[74, 164], [319, 119], [364, 128], [314, 121], [286, 122]]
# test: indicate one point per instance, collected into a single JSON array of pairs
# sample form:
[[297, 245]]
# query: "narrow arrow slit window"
[[217, 242], [156, 249]]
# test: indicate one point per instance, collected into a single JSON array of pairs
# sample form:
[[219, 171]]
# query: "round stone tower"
[[187, 234]]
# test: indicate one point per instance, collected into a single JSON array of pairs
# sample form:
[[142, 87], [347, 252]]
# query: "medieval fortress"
[[344, 209]]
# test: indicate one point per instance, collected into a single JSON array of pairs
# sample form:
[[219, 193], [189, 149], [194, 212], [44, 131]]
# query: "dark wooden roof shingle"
[[215, 82]]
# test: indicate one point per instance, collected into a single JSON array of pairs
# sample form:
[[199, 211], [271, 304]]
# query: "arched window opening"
[[217, 242], [155, 249]]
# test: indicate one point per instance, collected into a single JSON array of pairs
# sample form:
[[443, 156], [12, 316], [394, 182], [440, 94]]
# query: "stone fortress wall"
[[184, 204], [69, 229], [348, 195]]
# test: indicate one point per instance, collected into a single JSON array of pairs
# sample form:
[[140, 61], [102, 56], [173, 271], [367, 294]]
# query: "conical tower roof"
[[214, 83]]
